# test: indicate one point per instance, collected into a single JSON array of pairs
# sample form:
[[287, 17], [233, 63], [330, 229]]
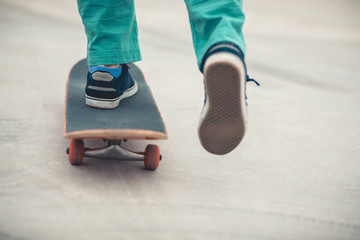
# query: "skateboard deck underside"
[[137, 117]]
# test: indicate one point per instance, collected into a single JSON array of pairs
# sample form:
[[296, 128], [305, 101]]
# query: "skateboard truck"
[[114, 151]]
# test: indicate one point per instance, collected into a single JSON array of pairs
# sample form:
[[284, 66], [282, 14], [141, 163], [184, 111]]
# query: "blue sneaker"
[[106, 87], [224, 117]]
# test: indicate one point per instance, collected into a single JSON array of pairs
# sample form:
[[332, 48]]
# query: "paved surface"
[[295, 176]]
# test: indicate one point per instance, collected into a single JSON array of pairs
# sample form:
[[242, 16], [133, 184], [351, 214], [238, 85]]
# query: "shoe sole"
[[110, 103], [223, 120]]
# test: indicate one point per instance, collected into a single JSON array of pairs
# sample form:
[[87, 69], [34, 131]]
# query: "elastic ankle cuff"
[[224, 46]]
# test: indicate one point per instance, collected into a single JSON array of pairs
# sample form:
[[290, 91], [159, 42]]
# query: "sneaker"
[[106, 87], [224, 117]]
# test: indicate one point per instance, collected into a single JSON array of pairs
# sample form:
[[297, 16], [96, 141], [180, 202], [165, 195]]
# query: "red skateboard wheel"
[[76, 151], [152, 157]]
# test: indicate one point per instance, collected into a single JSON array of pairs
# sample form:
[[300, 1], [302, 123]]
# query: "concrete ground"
[[296, 175]]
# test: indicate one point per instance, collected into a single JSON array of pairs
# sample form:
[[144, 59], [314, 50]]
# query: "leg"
[[215, 21], [111, 30], [219, 45]]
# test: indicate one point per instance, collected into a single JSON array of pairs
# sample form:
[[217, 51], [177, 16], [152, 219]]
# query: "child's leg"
[[215, 21], [219, 45], [111, 30]]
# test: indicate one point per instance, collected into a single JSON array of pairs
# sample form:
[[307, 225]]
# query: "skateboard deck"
[[137, 117]]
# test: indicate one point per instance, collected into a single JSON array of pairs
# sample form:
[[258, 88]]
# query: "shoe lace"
[[248, 79]]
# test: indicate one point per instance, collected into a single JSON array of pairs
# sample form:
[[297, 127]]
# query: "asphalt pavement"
[[296, 175]]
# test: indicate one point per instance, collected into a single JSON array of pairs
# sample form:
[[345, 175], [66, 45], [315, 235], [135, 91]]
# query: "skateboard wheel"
[[152, 157], [76, 151]]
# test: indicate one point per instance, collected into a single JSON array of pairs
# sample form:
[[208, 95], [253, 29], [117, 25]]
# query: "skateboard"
[[136, 118]]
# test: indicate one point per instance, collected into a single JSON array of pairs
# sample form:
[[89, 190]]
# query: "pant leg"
[[111, 30], [214, 21]]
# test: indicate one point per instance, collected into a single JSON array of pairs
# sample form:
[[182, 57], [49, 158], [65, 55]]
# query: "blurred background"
[[296, 175]]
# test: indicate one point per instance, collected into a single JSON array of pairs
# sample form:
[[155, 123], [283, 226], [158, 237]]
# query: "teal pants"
[[112, 33]]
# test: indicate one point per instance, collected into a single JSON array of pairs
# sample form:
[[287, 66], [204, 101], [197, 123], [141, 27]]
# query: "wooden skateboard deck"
[[137, 117]]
